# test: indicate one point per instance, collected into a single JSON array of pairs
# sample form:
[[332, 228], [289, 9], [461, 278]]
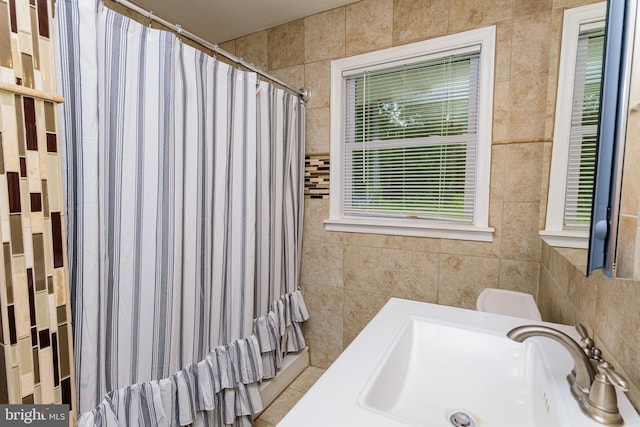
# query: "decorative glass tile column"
[[36, 358], [316, 176]]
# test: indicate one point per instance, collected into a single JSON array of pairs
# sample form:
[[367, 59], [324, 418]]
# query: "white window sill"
[[409, 227], [566, 238]]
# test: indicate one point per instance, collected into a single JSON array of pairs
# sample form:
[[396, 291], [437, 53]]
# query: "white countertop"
[[333, 400]]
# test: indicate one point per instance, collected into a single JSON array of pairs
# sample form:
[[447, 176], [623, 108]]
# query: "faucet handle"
[[587, 343], [614, 378], [602, 401], [582, 330], [585, 339]]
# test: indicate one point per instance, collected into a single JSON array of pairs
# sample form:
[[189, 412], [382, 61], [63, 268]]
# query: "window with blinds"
[[410, 139], [411, 130], [583, 133], [575, 127]]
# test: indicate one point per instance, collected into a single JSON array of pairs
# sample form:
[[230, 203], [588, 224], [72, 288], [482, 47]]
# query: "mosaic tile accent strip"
[[36, 358], [316, 176]]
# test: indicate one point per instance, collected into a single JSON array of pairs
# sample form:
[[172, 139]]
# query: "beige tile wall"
[[347, 277], [36, 359], [608, 307]]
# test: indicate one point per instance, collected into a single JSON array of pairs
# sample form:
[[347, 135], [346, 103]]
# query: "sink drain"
[[460, 419]]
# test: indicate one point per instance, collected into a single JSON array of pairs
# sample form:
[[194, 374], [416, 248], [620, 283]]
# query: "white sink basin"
[[415, 364], [433, 370]]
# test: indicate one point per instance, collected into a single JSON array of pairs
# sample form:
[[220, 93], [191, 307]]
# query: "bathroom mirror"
[[627, 264], [613, 243]]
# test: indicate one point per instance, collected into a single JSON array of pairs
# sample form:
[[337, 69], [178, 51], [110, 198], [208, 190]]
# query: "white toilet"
[[509, 303]]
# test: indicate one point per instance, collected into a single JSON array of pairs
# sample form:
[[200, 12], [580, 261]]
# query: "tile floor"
[[283, 403]]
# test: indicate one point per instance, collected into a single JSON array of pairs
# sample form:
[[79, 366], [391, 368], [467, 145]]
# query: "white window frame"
[[479, 230], [554, 233]]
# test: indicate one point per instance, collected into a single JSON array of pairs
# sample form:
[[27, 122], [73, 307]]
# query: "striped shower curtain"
[[184, 206]]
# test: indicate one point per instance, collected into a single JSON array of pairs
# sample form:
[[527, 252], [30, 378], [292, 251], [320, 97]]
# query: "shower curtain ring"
[[150, 18]]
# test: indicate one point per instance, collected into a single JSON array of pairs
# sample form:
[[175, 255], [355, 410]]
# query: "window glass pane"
[[583, 136], [410, 140]]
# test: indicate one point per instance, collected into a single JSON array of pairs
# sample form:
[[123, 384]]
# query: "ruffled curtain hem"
[[222, 389]]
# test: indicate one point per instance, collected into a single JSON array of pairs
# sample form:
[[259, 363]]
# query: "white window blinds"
[[583, 134], [410, 140]]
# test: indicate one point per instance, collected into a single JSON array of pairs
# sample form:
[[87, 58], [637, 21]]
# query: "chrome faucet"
[[592, 380]]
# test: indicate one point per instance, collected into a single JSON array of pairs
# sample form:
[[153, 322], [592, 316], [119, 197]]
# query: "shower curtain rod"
[[303, 93]]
